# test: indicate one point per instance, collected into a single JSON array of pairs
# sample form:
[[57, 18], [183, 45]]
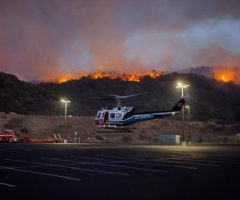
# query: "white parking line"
[[191, 163], [65, 166], [34, 172], [19, 150], [83, 169], [6, 184], [141, 163], [213, 159], [122, 166], [138, 168], [157, 164], [92, 170], [221, 161]]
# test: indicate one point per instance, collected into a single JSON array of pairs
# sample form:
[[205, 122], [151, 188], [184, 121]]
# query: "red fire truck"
[[9, 136]]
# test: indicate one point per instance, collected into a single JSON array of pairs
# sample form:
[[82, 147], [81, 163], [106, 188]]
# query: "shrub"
[[127, 138], [99, 137], [24, 130]]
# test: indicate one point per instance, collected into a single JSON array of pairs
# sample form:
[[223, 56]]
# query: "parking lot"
[[114, 171]]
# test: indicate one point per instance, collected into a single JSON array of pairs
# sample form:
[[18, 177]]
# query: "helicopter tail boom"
[[179, 105]]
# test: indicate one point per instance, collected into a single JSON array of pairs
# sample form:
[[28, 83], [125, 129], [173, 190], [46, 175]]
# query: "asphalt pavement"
[[118, 172]]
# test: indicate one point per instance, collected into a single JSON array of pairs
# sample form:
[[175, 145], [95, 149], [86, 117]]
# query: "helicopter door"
[[106, 118]]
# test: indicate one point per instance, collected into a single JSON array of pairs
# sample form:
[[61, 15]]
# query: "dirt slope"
[[85, 129]]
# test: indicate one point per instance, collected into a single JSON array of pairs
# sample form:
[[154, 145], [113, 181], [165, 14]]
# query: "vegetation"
[[24, 98], [208, 98], [99, 137], [127, 138]]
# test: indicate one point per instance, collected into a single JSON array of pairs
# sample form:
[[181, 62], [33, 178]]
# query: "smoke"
[[47, 39]]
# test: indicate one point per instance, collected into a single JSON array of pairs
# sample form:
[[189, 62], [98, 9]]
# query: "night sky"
[[46, 39]]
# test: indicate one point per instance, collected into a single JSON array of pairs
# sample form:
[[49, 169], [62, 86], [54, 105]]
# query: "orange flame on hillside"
[[64, 79], [124, 76], [224, 74]]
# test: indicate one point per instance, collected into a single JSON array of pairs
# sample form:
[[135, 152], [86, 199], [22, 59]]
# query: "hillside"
[[38, 126], [208, 98], [24, 98]]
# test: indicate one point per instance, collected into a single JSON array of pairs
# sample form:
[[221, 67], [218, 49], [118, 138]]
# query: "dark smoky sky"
[[46, 39]]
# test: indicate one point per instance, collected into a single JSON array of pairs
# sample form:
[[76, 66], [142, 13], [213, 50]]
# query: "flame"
[[98, 75], [70, 76], [224, 75], [125, 76], [63, 79]]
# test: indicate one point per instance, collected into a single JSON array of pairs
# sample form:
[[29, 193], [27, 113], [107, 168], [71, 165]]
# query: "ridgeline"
[[209, 99]]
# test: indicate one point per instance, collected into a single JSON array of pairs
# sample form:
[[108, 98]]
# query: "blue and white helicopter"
[[120, 117]]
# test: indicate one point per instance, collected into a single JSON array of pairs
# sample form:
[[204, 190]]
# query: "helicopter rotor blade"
[[126, 96], [106, 98]]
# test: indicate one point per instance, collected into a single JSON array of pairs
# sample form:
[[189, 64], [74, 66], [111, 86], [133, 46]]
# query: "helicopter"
[[120, 117]]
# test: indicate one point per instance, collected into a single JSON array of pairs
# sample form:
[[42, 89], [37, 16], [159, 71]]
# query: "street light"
[[188, 108], [189, 118], [65, 102], [180, 85]]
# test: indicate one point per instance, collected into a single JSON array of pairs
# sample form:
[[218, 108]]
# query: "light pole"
[[65, 102], [180, 85], [188, 108], [189, 118]]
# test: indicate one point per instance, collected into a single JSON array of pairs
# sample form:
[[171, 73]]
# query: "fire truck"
[[9, 136]]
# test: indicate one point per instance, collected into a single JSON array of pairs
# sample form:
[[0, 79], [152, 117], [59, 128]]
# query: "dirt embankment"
[[84, 127]]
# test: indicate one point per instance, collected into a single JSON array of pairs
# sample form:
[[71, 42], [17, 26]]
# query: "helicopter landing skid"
[[123, 128], [116, 128]]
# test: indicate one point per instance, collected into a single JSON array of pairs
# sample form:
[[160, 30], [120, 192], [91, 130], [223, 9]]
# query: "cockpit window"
[[119, 115], [98, 115]]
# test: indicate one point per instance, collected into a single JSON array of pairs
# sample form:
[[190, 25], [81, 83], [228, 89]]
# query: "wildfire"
[[224, 75], [127, 77], [124, 76], [63, 79]]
